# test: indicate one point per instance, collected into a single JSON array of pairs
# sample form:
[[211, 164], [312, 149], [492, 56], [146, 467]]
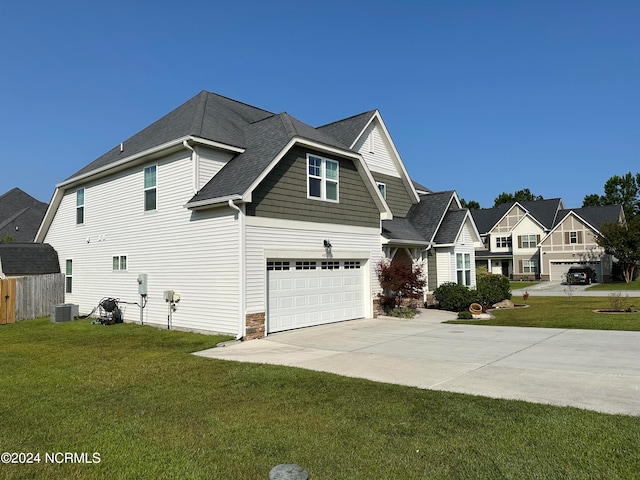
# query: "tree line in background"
[[622, 240]]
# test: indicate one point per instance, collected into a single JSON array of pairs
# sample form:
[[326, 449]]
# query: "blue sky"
[[482, 97]]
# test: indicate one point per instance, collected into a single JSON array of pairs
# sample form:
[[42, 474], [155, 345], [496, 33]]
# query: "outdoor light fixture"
[[327, 244]]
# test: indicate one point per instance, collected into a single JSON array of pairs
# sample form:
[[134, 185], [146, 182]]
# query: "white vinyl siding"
[[377, 151], [302, 240], [193, 253]]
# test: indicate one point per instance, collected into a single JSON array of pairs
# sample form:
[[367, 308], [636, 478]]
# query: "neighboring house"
[[20, 216], [572, 242], [427, 227], [260, 222], [20, 259], [541, 239]]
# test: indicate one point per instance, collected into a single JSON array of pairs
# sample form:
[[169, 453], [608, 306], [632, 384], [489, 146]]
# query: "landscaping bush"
[[453, 297], [492, 289], [465, 315], [402, 312], [399, 282]]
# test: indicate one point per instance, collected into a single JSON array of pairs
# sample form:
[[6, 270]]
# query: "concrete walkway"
[[596, 370]]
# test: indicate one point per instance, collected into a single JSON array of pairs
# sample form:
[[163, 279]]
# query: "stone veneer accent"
[[255, 323]]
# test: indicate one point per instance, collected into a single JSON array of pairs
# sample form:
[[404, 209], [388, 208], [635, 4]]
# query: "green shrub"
[[453, 297], [402, 312], [465, 315], [492, 289]]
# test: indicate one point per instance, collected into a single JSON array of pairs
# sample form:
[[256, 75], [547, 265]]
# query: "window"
[[573, 237], [529, 266], [119, 262], [305, 265], [150, 184], [277, 265], [350, 265], [463, 268], [322, 178], [80, 206], [528, 241], [68, 278], [503, 242], [383, 189], [330, 265]]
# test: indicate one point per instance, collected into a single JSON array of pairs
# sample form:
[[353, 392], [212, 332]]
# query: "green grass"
[[519, 285], [563, 312], [618, 285], [151, 410]]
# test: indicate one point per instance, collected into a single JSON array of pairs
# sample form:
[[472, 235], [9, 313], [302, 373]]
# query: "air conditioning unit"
[[64, 312]]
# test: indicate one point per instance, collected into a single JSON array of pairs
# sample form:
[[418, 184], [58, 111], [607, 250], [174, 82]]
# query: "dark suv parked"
[[581, 275]]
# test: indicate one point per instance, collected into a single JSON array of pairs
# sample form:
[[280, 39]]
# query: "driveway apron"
[[590, 369]]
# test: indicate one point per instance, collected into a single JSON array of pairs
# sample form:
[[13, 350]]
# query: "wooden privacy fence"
[[24, 298]]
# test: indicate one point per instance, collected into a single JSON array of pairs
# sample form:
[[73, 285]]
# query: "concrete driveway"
[[558, 289], [596, 370]]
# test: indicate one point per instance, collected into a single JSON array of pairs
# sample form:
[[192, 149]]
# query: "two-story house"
[[541, 239], [260, 222]]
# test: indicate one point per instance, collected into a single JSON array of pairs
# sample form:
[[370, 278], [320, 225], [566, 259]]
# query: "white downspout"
[[241, 270], [195, 160]]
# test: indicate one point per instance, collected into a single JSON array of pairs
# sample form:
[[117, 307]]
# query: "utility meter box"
[[142, 284]]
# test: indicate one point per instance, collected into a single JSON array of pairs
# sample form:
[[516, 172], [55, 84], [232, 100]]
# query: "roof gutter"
[[214, 202]]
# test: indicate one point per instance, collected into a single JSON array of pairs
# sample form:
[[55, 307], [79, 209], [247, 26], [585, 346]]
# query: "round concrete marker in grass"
[[289, 471]]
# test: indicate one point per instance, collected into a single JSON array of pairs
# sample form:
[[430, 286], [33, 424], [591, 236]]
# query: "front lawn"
[[520, 285], [135, 396], [616, 286], [563, 312]]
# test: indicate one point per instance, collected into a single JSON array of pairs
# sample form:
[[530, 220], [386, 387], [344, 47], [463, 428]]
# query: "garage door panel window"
[[305, 265]]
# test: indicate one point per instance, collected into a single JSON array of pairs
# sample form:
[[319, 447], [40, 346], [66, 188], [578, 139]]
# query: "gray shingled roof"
[[20, 215], [28, 259], [595, 216], [401, 229], [421, 187], [450, 226], [263, 141], [346, 131], [426, 215], [544, 211], [207, 115]]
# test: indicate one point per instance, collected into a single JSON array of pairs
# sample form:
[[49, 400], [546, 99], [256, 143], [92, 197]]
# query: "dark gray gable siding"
[[283, 194], [398, 199]]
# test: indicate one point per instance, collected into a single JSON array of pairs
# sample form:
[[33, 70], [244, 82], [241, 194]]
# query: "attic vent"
[[121, 147], [64, 312]]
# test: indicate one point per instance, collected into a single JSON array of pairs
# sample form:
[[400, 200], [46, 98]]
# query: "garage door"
[[558, 269], [303, 293]]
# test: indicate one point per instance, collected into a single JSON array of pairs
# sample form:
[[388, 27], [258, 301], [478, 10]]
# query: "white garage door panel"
[[558, 269], [305, 296]]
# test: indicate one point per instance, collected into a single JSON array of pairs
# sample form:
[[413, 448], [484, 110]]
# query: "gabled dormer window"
[[80, 206], [383, 189], [322, 178]]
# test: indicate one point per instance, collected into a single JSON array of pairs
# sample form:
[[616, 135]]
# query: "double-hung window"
[[322, 178], [463, 268], [503, 242], [528, 241], [150, 188], [529, 266], [68, 276], [80, 206], [119, 262]]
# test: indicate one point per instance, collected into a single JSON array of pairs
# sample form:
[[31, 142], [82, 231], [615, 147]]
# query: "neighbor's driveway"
[[557, 289], [592, 369]]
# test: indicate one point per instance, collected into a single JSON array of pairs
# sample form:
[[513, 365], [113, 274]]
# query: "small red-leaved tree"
[[399, 282]]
